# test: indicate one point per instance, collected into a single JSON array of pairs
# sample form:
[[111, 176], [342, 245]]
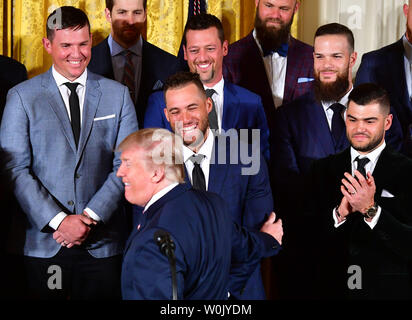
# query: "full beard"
[[370, 146], [331, 91], [271, 38]]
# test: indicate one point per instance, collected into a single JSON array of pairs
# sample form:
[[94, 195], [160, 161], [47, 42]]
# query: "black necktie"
[[212, 114], [198, 177], [129, 72], [338, 125], [361, 165], [74, 110]]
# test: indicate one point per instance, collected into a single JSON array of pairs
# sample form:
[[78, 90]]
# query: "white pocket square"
[[386, 194], [105, 117], [302, 80]]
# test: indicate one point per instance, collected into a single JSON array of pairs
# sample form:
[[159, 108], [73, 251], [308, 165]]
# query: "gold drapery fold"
[[165, 23]]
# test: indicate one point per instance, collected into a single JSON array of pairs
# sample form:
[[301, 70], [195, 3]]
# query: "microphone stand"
[[167, 247]]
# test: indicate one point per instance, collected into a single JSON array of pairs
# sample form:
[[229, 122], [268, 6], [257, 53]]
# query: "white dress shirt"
[[275, 66], [65, 93], [369, 167], [206, 149], [218, 100], [159, 194]]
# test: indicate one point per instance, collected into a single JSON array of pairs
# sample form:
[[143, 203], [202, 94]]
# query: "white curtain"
[[375, 23]]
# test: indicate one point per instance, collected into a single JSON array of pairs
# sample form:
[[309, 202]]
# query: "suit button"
[[70, 203], [77, 176]]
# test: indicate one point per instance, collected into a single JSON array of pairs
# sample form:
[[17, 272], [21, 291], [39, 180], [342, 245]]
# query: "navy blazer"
[[157, 65], [242, 109], [206, 244], [383, 254], [12, 73], [386, 68], [244, 66]]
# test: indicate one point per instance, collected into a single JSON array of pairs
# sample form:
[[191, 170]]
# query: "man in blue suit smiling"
[[60, 129], [247, 196], [233, 107]]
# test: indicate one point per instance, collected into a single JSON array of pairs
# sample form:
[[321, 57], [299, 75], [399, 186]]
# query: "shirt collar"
[[343, 101], [407, 48], [61, 80], [117, 49], [372, 156], [218, 87], [206, 149], [159, 194]]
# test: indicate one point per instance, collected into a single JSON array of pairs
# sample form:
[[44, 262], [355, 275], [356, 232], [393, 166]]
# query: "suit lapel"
[[218, 172], [91, 101], [291, 73], [230, 107], [319, 123], [57, 104]]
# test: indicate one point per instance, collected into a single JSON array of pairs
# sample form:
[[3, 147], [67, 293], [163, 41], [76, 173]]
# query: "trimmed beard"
[[370, 146], [271, 38], [331, 91]]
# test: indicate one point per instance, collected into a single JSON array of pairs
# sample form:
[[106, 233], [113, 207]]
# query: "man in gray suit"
[[60, 129]]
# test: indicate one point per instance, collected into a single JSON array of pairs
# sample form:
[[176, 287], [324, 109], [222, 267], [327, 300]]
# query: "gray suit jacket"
[[50, 175]]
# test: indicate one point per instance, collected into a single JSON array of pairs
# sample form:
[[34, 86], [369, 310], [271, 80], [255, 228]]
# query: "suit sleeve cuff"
[[55, 222], [92, 214]]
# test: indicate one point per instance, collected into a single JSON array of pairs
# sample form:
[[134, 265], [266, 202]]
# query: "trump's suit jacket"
[[206, 242], [50, 175], [244, 66], [242, 109], [386, 68], [12, 72], [157, 65], [383, 253]]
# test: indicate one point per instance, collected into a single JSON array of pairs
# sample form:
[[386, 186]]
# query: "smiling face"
[[366, 126], [127, 20], [70, 50], [204, 54], [136, 176], [187, 111]]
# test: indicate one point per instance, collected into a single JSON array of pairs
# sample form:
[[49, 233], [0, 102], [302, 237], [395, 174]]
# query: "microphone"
[[165, 243], [167, 247]]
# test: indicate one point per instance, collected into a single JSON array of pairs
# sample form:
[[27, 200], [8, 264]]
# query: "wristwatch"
[[371, 211]]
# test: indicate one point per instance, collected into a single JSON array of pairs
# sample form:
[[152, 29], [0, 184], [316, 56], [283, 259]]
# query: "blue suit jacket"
[[242, 109], [206, 243], [51, 175], [157, 65], [386, 68]]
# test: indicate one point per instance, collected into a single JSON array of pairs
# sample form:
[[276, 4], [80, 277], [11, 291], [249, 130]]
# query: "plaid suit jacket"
[[244, 66]]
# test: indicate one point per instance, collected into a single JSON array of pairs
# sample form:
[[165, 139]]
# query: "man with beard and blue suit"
[[126, 57], [60, 129], [183, 231], [310, 128], [269, 61], [390, 67], [231, 171], [234, 107]]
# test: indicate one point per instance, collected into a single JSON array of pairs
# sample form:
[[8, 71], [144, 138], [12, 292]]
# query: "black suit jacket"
[[12, 73], [157, 65], [383, 253]]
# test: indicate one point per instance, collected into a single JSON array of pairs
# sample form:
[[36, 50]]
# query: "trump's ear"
[[158, 174]]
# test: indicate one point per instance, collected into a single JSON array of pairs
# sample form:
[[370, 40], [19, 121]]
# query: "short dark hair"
[[66, 17], [337, 29], [110, 4], [368, 93], [182, 79], [204, 21]]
